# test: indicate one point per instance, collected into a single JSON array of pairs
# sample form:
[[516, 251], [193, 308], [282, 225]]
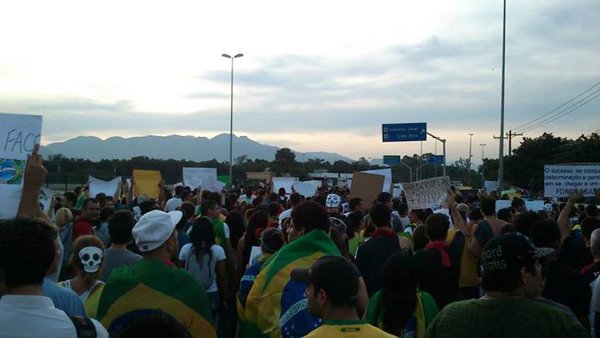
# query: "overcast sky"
[[316, 75]]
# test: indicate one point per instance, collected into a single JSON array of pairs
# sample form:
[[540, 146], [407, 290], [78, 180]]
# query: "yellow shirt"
[[350, 329], [468, 264]]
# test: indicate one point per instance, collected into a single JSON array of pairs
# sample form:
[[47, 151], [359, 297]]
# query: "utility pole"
[[510, 135], [501, 151], [470, 158]]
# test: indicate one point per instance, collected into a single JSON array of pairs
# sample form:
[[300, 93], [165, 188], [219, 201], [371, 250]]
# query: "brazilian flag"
[[147, 287], [277, 306]]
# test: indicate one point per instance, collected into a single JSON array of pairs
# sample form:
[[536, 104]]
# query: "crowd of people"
[[249, 263]]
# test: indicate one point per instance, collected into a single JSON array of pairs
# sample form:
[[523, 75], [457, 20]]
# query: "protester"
[[175, 202], [117, 255], [205, 260], [592, 271], [154, 283], [334, 302], [574, 252], [356, 226], [564, 285], [295, 199], [271, 305], [101, 229], [86, 262], [512, 275], [84, 224], [371, 255], [259, 221], [399, 308]]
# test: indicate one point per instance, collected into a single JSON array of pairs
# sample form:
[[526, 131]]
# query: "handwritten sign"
[[18, 136], [429, 193], [146, 182], [109, 188]]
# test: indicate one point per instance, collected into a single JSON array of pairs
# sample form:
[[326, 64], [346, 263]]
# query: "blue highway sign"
[[435, 159], [391, 159], [401, 132]]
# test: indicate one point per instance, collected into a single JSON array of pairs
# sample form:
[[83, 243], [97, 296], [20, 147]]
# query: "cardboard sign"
[[529, 205], [284, 182], [561, 180], [387, 173], [429, 193], [18, 135], [146, 182], [205, 178], [109, 188], [366, 186]]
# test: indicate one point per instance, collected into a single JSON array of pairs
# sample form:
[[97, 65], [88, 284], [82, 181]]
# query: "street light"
[[470, 158], [239, 55]]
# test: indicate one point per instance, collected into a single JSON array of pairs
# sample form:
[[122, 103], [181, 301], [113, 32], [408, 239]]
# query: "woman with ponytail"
[[205, 260], [400, 308]]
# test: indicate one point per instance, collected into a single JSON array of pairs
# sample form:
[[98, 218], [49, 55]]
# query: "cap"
[[333, 201], [510, 252], [154, 228], [334, 274]]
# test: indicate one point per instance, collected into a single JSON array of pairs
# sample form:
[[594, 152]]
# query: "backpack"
[[201, 272], [66, 238]]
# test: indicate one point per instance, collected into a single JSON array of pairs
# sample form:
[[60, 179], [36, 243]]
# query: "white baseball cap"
[[154, 228]]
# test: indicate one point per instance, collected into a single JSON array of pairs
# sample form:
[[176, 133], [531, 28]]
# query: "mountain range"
[[174, 147]]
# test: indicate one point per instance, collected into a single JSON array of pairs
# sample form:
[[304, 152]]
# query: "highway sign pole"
[[444, 150]]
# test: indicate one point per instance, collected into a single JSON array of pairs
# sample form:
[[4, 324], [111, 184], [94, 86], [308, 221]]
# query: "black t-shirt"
[[371, 256], [568, 287], [574, 254], [436, 279]]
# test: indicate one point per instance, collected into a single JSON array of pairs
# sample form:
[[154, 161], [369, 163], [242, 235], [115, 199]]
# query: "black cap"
[[509, 252], [334, 274]]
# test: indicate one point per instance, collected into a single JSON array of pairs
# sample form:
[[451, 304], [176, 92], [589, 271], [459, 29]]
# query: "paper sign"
[[46, 198], [255, 253], [146, 182], [205, 178], [305, 189], [109, 188], [18, 135], [284, 182], [387, 173], [491, 185], [429, 193], [366, 186], [530, 205], [561, 180]]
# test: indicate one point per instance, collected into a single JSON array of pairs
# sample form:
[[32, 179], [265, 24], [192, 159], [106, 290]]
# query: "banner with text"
[[561, 180], [18, 135], [429, 193]]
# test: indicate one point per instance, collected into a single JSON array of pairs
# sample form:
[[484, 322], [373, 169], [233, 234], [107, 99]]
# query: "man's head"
[[588, 225], [488, 206], [511, 265], [282, 192], [70, 199], [356, 204], [545, 233], [309, 216], [274, 209], [295, 199], [271, 240], [595, 243], [90, 209], [155, 234], [518, 205], [591, 211], [381, 215], [333, 284], [436, 227], [187, 196], [524, 221], [210, 209], [120, 226], [417, 216], [384, 198], [179, 190], [27, 250]]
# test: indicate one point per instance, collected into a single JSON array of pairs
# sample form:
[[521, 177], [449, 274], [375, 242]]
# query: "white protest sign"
[[305, 189], [490, 185], [46, 198], [255, 253], [109, 188], [561, 180], [18, 135], [284, 182], [387, 173], [429, 193], [205, 178], [397, 190], [529, 205]]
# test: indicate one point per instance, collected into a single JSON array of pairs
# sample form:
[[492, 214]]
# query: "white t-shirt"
[[187, 255], [36, 316]]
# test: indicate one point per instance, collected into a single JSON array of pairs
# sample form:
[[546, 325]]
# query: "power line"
[[523, 126], [573, 107]]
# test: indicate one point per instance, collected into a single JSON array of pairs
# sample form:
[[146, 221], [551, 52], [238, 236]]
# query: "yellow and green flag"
[[276, 306], [147, 287]]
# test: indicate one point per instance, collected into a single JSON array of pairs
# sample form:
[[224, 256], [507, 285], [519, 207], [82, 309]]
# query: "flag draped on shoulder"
[[147, 287], [276, 306]]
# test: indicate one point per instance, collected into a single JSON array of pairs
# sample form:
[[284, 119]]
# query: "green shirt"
[[512, 317]]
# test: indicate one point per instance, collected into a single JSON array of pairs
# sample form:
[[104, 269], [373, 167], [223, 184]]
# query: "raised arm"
[[563, 217], [33, 179]]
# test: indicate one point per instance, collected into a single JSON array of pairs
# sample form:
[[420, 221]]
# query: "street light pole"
[[501, 152], [482, 146], [470, 158], [239, 55]]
